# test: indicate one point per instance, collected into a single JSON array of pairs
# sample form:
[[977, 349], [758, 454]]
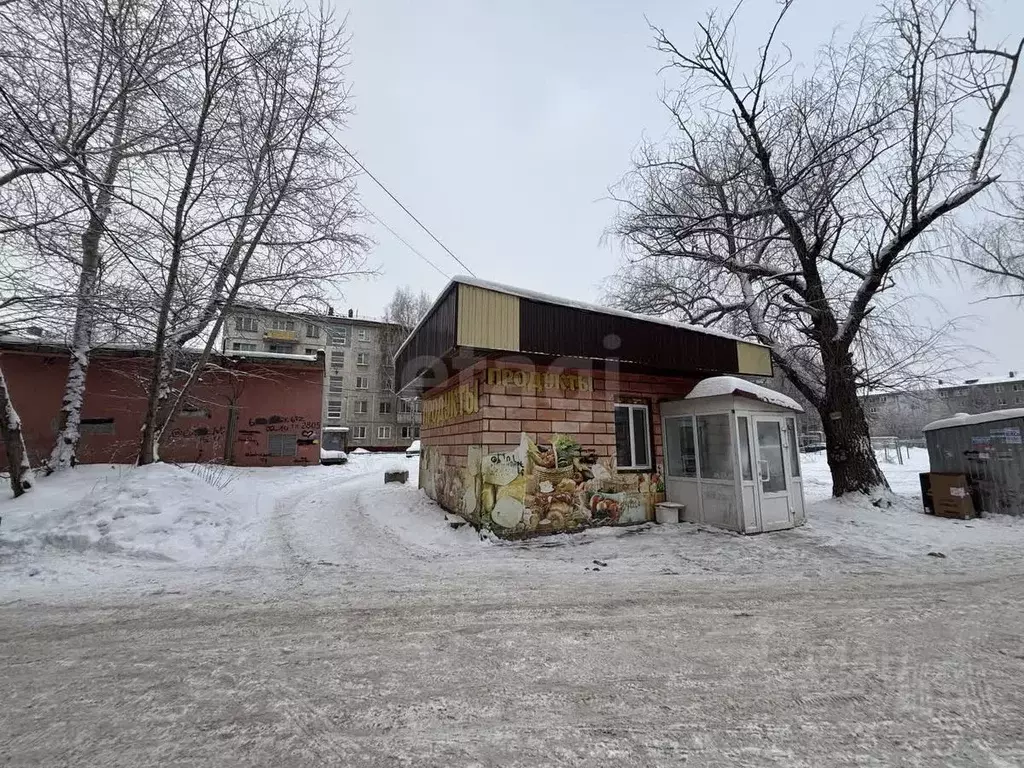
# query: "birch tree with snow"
[[257, 203], [76, 80], [794, 205]]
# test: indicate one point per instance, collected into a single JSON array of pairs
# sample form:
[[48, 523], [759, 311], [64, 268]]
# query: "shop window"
[[282, 445], [246, 323], [714, 446], [681, 451], [385, 407], [744, 430], [98, 426], [361, 406], [363, 358], [359, 433], [241, 346], [312, 331], [383, 433], [632, 439]]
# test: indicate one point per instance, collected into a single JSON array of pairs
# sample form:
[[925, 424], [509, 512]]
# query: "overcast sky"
[[502, 124]]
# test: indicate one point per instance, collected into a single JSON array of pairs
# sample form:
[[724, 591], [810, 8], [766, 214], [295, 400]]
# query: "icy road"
[[339, 623]]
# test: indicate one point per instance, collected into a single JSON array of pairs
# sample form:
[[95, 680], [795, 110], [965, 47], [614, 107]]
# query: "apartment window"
[[407, 433], [281, 445], [310, 351], [361, 406], [387, 384], [632, 439], [312, 331], [241, 346], [246, 323], [872, 410], [385, 406], [1018, 387], [358, 433], [282, 324], [998, 387], [408, 406], [363, 358], [1019, 398], [339, 337], [383, 433], [364, 335], [334, 409], [283, 349], [1002, 401], [335, 383], [362, 382], [415, 431]]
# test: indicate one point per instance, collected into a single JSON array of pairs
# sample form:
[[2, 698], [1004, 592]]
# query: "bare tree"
[[260, 207], [994, 250], [795, 208], [401, 315]]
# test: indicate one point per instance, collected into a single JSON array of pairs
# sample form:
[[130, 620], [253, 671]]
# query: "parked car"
[[413, 450], [333, 457]]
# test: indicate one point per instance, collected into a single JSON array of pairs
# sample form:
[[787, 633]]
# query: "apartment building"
[[360, 408], [904, 414]]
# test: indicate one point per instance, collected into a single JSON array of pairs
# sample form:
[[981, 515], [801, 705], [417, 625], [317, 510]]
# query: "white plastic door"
[[773, 482]]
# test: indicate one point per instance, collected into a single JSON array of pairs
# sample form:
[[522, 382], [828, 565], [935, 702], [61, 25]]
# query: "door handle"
[[765, 470]]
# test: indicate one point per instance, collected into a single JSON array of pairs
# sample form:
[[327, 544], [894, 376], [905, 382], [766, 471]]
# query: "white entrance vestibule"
[[732, 456]]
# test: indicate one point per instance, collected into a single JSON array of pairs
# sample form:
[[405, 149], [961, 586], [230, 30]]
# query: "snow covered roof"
[[269, 355], [719, 386], [604, 310], [966, 419], [981, 381]]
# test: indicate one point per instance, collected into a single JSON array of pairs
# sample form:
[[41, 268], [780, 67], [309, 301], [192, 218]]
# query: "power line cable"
[[406, 243], [362, 167]]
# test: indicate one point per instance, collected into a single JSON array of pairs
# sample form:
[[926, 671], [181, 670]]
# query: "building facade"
[[542, 415], [252, 410], [360, 408], [904, 414]]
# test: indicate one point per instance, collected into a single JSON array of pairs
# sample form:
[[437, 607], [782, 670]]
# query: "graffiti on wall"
[[538, 489], [255, 439]]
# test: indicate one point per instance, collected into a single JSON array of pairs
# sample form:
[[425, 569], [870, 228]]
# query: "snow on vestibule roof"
[[719, 386], [967, 419]]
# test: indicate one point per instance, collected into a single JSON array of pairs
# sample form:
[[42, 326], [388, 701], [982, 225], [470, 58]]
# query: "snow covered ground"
[[314, 616]]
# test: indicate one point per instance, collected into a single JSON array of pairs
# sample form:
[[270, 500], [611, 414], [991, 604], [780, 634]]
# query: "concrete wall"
[[267, 399], [487, 447]]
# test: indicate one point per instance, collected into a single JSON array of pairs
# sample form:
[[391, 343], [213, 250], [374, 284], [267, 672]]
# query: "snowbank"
[[160, 511]]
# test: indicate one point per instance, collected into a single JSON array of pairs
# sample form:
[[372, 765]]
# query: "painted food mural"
[[539, 489]]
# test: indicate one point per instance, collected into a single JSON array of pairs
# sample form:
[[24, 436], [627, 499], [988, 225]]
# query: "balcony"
[[291, 337], [408, 418]]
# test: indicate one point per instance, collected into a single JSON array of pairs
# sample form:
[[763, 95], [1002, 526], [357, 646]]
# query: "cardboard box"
[[951, 496]]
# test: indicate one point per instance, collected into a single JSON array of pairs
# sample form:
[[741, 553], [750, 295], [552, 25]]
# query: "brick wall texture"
[[505, 411]]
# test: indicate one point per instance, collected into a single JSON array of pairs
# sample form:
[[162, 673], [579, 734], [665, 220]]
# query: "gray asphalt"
[[868, 671]]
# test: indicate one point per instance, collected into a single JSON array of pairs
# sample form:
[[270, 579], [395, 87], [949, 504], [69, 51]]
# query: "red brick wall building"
[[247, 411]]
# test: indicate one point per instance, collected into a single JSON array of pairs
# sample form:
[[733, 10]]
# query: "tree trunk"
[[64, 451], [14, 441], [156, 405], [848, 441]]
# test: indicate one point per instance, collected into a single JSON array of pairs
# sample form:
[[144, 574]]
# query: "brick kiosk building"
[[542, 415]]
